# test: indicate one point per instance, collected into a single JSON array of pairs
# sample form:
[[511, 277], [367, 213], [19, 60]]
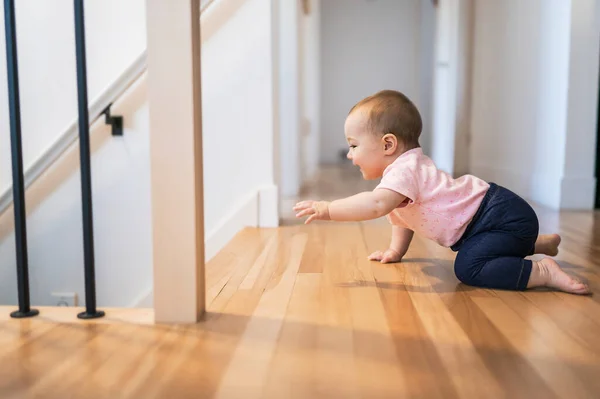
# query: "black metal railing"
[[86, 174], [18, 183], [17, 166]]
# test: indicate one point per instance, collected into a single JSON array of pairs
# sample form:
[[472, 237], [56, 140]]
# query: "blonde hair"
[[390, 111]]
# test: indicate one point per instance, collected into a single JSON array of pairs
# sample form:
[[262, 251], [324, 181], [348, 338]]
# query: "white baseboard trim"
[[145, 300], [246, 213], [578, 193], [268, 206]]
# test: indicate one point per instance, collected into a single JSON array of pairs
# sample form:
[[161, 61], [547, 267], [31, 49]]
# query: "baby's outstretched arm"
[[401, 238], [364, 206]]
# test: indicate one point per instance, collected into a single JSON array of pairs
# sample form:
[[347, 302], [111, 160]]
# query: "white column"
[[289, 98], [578, 185], [173, 32]]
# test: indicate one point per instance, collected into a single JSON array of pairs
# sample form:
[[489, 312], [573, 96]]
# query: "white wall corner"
[[578, 193], [268, 206]]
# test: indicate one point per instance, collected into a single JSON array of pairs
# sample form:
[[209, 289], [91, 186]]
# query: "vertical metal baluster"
[[86, 175], [17, 163]]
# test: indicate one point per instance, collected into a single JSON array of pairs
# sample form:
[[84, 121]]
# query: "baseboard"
[[578, 193], [268, 206], [246, 213], [545, 190], [145, 300]]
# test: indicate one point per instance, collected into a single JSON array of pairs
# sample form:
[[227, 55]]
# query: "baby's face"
[[366, 149]]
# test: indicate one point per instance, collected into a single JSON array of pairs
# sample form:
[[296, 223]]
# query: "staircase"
[[121, 179]]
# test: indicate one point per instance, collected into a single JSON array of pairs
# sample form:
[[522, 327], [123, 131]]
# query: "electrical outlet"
[[64, 298]]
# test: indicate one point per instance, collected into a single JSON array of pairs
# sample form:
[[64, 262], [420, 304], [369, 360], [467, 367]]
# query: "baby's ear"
[[390, 143]]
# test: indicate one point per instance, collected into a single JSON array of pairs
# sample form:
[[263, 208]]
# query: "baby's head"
[[379, 129]]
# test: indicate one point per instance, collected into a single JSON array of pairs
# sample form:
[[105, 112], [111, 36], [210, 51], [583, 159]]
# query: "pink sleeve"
[[401, 181]]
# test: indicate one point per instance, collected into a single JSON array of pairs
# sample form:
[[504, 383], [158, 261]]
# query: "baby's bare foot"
[[547, 273], [547, 244]]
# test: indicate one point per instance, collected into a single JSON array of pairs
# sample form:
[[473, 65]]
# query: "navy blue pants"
[[502, 233]]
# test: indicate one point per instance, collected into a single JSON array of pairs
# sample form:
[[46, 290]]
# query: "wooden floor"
[[299, 312]]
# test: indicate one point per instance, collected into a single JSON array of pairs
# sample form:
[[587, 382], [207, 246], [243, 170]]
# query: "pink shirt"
[[438, 206]]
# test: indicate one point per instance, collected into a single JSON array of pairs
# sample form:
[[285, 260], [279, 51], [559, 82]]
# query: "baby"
[[490, 227]]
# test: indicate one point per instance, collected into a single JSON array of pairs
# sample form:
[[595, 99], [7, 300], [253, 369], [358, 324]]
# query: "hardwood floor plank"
[[36, 357], [377, 366], [298, 311], [232, 261], [313, 260], [82, 372], [244, 260], [567, 315], [518, 377], [461, 359], [424, 299], [248, 370], [14, 335], [292, 372], [579, 358], [421, 363], [335, 338], [258, 265], [545, 358]]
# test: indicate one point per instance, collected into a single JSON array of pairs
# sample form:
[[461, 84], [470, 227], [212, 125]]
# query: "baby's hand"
[[389, 256], [318, 210]]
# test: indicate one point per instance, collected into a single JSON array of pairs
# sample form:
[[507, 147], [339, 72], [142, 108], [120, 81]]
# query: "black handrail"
[[17, 163], [86, 175]]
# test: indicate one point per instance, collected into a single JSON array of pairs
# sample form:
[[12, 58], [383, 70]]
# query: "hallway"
[[298, 311], [330, 182]]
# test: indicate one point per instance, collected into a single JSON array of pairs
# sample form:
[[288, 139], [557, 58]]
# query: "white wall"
[[552, 102], [299, 93], [463, 86], [509, 38], [534, 98], [366, 47], [452, 86], [426, 68], [238, 137], [445, 85], [237, 105], [578, 185], [290, 97], [311, 88], [115, 36]]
